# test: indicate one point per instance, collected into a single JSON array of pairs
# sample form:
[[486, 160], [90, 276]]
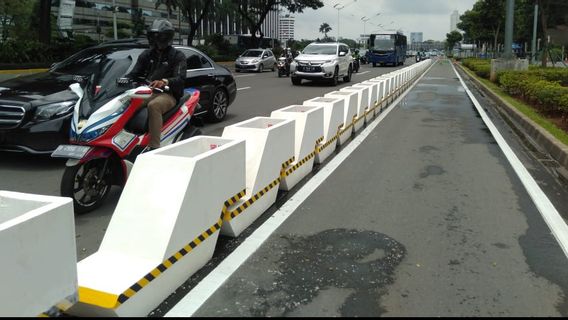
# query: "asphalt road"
[[258, 95]]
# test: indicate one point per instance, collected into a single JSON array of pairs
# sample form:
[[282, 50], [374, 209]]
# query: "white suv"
[[323, 61]]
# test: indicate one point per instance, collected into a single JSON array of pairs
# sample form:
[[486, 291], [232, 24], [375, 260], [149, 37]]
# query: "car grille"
[[11, 116]]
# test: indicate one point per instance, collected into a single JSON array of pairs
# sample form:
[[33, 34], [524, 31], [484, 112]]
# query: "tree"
[[254, 12], [193, 10], [452, 38], [14, 15], [484, 22], [325, 28], [138, 22]]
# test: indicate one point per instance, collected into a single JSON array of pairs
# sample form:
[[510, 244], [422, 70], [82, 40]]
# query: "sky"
[[431, 17]]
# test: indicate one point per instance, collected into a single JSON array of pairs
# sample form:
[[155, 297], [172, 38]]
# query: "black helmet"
[[161, 34]]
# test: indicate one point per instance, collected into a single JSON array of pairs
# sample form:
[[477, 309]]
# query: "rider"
[[165, 68], [356, 54]]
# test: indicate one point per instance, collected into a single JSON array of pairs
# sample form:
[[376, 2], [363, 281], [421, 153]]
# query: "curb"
[[555, 148]]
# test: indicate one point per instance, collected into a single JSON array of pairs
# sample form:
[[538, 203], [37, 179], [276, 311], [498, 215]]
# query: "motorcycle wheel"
[[87, 184]]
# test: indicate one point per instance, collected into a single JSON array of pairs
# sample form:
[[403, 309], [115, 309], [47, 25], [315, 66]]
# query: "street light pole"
[[114, 19], [338, 7], [508, 52], [535, 25]]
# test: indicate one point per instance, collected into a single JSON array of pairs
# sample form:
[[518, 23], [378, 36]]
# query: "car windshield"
[[252, 53], [387, 45], [86, 62], [319, 49]]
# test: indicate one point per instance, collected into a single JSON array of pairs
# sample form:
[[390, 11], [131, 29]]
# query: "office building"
[[454, 19], [286, 28], [416, 37]]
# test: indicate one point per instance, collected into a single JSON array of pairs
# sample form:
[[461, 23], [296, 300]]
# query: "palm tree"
[[325, 28]]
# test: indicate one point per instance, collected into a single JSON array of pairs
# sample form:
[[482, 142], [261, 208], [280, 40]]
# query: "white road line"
[[207, 286], [551, 216], [244, 88], [361, 73], [245, 75]]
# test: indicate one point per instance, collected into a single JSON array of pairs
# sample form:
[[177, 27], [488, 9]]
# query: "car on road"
[[323, 61], [256, 60], [35, 110]]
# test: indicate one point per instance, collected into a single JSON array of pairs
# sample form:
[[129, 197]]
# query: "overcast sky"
[[432, 17]]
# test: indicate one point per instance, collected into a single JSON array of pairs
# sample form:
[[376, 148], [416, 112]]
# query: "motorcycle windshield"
[[101, 86]]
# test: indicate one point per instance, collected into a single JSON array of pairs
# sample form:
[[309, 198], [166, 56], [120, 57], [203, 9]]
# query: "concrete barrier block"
[[308, 133], [372, 108], [350, 111], [37, 246], [362, 105], [333, 115], [165, 226], [269, 144]]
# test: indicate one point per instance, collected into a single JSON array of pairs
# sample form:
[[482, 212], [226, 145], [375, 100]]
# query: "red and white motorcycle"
[[109, 130]]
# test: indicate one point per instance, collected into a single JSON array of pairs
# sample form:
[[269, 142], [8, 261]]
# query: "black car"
[[35, 110]]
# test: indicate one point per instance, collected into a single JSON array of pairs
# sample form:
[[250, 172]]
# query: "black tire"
[[219, 105], [260, 69], [189, 132], [86, 174], [296, 81], [374, 64], [335, 79], [237, 70], [349, 75]]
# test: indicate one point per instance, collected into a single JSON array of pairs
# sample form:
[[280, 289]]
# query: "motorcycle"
[[283, 67], [356, 65], [109, 129]]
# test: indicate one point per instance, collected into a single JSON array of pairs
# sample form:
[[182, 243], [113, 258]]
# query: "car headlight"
[[328, 61], [255, 60], [53, 110]]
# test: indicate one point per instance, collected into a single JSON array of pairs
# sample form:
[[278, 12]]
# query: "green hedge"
[[536, 89], [481, 67]]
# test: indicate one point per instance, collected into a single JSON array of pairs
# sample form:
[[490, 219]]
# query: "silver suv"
[[256, 60], [323, 61]]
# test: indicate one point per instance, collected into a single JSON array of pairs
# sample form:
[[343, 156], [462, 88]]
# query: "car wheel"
[[296, 81], [237, 70], [335, 79], [349, 75], [219, 106], [260, 68], [374, 64]]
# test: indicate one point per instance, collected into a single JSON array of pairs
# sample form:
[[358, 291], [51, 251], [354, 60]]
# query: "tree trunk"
[[45, 21]]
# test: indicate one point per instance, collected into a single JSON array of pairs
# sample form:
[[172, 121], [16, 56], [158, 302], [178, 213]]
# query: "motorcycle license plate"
[[70, 151]]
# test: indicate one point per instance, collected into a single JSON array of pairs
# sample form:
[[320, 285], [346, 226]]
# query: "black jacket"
[[169, 64]]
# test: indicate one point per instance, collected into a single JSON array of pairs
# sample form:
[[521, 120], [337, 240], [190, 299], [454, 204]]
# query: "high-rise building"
[[454, 19], [286, 28], [416, 37]]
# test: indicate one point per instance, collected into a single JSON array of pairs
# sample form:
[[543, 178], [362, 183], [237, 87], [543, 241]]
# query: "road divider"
[[177, 201], [333, 113], [308, 134], [362, 105], [269, 145], [164, 228], [39, 260]]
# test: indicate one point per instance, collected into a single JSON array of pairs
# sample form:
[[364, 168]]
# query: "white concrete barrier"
[[165, 226], [308, 134], [362, 105], [351, 99], [269, 149], [37, 246], [372, 108], [333, 113]]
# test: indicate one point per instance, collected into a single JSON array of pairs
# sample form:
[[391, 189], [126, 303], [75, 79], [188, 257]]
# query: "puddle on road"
[[432, 171]]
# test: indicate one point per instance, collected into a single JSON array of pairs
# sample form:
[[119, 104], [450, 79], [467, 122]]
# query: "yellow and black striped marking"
[[297, 165], [332, 140], [288, 163], [161, 268], [111, 301], [228, 216], [232, 201]]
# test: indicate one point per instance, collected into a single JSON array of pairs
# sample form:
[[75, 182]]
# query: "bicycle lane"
[[425, 218]]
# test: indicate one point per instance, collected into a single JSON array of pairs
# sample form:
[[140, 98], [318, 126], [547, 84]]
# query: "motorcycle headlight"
[[53, 110], [93, 134]]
